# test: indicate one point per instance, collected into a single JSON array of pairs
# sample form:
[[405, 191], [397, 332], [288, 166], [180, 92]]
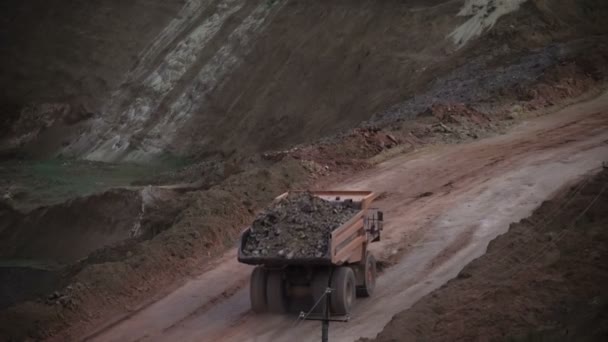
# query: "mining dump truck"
[[343, 270]]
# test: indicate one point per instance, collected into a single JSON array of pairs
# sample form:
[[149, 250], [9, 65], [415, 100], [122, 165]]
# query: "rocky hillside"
[[137, 81]]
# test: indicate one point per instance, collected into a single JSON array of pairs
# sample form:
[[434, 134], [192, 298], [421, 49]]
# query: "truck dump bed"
[[347, 243]]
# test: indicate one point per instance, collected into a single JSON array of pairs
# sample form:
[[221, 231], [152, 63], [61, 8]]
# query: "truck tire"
[[343, 295], [320, 283], [369, 272], [276, 295], [257, 290]]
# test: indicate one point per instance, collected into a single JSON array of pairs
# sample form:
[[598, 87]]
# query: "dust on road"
[[472, 192]]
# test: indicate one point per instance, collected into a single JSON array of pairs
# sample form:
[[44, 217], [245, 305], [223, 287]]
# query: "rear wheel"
[[257, 290], [276, 295], [343, 295], [369, 277]]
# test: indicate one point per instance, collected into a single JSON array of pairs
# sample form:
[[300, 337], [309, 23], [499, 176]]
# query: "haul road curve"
[[477, 189]]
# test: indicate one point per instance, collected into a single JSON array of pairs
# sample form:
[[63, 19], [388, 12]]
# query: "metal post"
[[325, 331], [325, 324]]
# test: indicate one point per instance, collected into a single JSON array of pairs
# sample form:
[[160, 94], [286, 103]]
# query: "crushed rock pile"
[[297, 226]]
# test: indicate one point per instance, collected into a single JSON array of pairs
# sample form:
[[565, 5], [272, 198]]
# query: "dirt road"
[[443, 206]]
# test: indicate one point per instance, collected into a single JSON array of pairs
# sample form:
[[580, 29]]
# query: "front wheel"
[[368, 268]]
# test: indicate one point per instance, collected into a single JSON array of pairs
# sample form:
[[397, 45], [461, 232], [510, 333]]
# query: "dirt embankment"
[[543, 280], [179, 236], [49, 233], [70, 231], [442, 120]]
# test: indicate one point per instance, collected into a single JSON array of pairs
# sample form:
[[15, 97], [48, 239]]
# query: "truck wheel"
[[276, 295], [369, 277], [343, 295], [257, 290], [320, 283]]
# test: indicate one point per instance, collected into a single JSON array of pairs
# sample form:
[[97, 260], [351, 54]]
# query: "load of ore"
[[297, 226]]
